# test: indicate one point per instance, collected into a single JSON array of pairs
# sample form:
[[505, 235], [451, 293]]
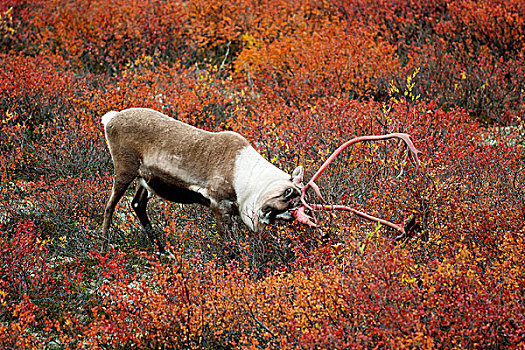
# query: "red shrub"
[[34, 90], [297, 78], [105, 36], [24, 270]]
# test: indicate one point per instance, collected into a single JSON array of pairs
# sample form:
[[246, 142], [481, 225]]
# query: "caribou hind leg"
[[120, 185]]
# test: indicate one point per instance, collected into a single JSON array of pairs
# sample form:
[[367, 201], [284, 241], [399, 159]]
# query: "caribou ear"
[[297, 176]]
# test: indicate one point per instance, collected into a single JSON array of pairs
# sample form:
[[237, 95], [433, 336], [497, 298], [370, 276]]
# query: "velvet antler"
[[300, 213]]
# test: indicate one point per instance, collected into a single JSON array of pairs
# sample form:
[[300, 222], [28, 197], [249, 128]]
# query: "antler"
[[300, 213]]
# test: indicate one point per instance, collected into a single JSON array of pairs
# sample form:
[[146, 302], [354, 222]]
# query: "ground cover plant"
[[298, 78]]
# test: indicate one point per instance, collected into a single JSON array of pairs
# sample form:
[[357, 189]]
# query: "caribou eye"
[[288, 193]]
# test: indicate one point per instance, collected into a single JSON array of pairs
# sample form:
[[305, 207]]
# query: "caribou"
[[221, 170]]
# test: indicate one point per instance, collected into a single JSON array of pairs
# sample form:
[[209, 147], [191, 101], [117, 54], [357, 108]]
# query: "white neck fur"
[[252, 175]]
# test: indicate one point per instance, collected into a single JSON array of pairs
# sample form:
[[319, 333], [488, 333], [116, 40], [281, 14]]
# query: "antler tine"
[[405, 137], [412, 150], [316, 190], [300, 214], [400, 228]]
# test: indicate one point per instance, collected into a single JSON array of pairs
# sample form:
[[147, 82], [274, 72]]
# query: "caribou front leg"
[[223, 212]]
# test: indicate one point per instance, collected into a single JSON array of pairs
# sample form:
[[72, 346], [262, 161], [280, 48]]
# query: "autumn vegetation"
[[297, 78]]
